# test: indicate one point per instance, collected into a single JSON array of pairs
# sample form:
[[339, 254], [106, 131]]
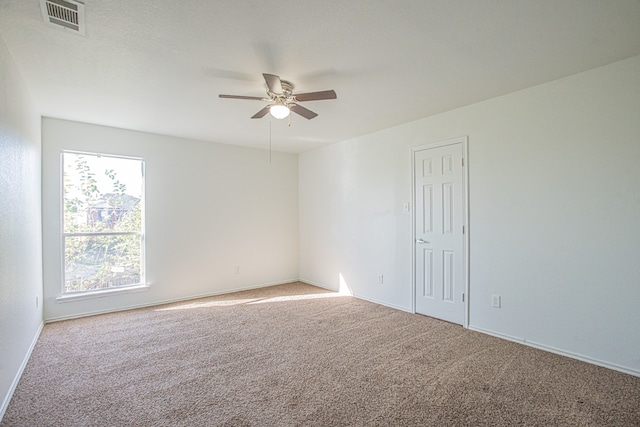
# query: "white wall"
[[209, 208], [554, 213], [20, 230]]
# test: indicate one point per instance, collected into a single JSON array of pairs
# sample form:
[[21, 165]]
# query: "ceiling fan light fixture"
[[283, 101], [279, 111]]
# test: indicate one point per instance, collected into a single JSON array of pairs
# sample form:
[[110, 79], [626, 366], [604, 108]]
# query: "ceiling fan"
[[283, 101]]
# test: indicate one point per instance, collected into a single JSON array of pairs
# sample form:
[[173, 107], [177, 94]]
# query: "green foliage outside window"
[[99, 209]]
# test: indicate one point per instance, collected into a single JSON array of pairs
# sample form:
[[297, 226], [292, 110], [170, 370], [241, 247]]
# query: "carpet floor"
[[297, 355]]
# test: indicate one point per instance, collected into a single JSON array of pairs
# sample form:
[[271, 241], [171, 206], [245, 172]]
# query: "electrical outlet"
[[496, 301], [380, 278]]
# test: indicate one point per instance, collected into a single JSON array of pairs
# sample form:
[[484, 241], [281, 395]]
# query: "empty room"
[[356, 213]]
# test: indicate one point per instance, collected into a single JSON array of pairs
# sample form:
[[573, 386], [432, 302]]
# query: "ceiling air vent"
[[65, 14]]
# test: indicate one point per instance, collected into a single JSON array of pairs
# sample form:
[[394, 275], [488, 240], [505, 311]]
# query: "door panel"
[[439, 240]]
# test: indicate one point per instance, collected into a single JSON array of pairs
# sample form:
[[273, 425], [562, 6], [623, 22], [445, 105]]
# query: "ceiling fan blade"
[[260, 114], [255, 98], [304, 112], [316, 96], [273, 83]]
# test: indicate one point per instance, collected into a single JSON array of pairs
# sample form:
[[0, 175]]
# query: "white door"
[[439, 240]]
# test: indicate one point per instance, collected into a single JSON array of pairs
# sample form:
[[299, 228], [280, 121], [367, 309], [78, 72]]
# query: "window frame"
[[65, 295]]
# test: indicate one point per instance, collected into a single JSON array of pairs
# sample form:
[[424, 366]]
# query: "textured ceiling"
[[158, 66]]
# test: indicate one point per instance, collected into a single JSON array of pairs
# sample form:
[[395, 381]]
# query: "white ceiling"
[[158, 66]]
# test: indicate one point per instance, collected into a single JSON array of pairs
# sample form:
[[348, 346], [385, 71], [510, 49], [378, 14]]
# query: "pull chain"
[[269, 139]]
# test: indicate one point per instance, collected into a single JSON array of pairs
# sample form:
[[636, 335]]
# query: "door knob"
[[421, 241]]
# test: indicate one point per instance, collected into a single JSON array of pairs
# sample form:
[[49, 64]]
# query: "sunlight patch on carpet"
[[298, 297], [241, 301]]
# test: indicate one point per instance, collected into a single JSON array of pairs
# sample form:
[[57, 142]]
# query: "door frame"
[[464, 140]]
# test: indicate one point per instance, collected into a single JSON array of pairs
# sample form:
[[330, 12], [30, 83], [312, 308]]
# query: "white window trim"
[[100, 293], [79, 296]]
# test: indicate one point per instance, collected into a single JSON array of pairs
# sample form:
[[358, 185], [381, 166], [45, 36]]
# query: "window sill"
[[101, 293]]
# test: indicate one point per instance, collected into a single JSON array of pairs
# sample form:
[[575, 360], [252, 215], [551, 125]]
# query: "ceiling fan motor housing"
[[287, 90]]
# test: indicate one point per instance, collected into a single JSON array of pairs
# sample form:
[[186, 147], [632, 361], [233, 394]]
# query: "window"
[[103, 222]]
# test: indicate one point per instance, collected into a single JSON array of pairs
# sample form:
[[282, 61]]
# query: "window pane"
[[102, 262], [101, 193]]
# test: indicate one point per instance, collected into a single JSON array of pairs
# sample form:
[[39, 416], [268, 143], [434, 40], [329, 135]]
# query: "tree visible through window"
[[103, 231]]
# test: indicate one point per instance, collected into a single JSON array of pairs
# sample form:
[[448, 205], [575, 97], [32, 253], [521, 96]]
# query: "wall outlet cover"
[[496, 301]]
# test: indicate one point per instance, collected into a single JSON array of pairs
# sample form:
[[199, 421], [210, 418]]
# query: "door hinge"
[[462, 297], [463, 162], [463, 229]]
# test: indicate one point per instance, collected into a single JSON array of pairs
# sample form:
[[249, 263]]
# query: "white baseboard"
[[397, 307], [167, 301], [318, 284], [16, 379], [561, 352], [375, 301]]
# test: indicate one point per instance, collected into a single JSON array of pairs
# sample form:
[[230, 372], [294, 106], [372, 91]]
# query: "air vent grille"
[[65, 14]]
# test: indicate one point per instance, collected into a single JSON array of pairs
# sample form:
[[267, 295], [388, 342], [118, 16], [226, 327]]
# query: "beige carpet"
[[297, 355]]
